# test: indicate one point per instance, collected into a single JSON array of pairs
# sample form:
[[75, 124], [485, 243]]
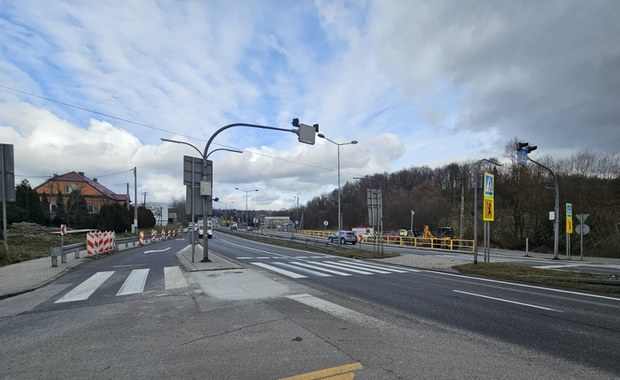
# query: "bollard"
[[527, 246]]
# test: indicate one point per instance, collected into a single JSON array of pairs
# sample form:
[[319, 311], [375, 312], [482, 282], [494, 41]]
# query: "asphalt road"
[[130, 315], [576, 326]]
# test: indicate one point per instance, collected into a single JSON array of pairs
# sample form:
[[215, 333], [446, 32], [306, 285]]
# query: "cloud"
[[416, 83]]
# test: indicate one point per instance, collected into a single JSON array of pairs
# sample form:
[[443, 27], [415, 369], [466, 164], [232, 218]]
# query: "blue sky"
[[416, 83]]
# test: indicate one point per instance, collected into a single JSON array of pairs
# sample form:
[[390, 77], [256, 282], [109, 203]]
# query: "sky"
[[93, 87]]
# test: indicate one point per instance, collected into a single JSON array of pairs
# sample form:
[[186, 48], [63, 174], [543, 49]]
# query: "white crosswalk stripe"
[[330, 268], [174, 278], [133, 284], [86, 288]]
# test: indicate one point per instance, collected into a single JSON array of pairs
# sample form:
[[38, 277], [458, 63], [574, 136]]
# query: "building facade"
[[95, 194]]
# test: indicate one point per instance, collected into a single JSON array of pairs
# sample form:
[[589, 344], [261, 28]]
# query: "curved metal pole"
[[226, 149], [242, 125], [556, 225]]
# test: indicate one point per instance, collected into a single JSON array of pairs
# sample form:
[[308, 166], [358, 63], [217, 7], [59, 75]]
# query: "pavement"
[[30, 275]]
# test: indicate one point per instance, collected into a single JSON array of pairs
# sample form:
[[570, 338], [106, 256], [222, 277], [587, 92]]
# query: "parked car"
[[344, 237]]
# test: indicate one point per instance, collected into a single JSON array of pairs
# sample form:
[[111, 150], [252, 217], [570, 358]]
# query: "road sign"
[[582, 229], [488, 212], [489, 181], [582, 217], [569, 218], [63, 229]]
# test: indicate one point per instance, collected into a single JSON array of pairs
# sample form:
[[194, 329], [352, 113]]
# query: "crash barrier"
[[64, 250], [77, 248], [461, 245], [100, 242]]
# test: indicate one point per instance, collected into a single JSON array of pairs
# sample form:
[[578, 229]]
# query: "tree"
[[114, 217], [27, 205], [61, 217], [76, 207]]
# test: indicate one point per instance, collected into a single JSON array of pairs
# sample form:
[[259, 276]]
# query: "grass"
[[564, 279]]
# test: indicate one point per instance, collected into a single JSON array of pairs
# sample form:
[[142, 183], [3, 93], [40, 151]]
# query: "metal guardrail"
[[460, 245], [77, 248]]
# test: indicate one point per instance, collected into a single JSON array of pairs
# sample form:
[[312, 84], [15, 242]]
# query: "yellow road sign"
[[488, 211], [569, 225]]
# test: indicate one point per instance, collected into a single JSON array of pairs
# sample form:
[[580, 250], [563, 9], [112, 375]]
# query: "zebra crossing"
[[133, 284], [328, 268]]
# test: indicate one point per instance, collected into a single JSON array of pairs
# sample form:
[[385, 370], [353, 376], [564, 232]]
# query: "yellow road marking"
[[343, 372]]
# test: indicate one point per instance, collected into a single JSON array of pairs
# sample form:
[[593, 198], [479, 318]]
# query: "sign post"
[[569, 226], [488, 212], [582, 229]]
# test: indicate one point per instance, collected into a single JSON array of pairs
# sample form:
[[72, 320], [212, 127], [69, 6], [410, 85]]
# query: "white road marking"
[[157, 250], [350, 264], [322, 269], [278, 270], [524, 286], [507, 301], [134, 283], [174, 279], [86, 288], [309, 271], [244, 258], [339, 267], [388, 267], [339, 311]]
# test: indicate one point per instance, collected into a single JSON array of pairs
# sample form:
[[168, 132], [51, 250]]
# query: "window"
[[70, 188]]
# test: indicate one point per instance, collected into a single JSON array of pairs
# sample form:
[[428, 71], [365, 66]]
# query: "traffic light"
[[521, 146], [523, 149]]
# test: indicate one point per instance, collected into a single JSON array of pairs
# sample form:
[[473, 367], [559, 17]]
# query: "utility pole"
[[144, 202], [135, 200]]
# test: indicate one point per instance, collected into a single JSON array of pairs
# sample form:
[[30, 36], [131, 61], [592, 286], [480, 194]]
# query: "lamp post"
[[205, 156], [411, 227], [338, 145], [476, 175], [246, 204]]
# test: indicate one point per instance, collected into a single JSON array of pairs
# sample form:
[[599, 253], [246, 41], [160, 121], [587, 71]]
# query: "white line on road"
[[134, 283], [174, 279], [339, 311], [278, 270], [507, 301], [86, 288], [339, 267], [312, 272], [557, 266], [157, 250], [522, 285], [321, 269]]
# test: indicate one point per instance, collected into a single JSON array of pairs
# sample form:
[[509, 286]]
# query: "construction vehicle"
[[441, 238]]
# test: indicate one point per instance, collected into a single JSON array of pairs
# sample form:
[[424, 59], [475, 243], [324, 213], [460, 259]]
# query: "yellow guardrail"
[[402, 241]]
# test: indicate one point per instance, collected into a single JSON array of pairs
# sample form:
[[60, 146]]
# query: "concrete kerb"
[[217, 262]]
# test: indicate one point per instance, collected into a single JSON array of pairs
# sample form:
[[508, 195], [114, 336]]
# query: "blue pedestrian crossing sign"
[[489, 184]]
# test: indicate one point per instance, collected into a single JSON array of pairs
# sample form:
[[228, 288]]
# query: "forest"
[[524, 196]]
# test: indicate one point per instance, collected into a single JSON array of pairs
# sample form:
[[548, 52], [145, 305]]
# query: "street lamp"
[[246, 204], [338, 145], [476, 174], [205, 237]]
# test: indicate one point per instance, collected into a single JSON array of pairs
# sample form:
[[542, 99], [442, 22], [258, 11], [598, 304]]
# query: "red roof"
[[80, 177]]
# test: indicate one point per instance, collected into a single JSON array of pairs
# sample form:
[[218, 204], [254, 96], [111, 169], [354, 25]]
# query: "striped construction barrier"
[[153, 235], [100, 242]]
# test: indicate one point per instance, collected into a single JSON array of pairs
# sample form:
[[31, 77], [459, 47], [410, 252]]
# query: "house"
[[95, 194]]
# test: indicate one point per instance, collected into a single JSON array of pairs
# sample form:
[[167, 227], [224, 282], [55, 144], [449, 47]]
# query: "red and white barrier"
[[153, 235], [100, 242]]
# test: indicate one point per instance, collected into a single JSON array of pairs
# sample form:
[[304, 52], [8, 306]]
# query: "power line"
[[148, 126]]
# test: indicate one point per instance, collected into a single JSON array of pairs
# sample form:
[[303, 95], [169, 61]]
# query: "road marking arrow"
[[157, 250]]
